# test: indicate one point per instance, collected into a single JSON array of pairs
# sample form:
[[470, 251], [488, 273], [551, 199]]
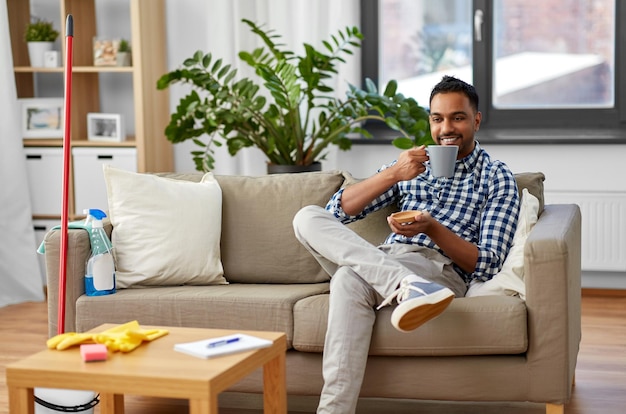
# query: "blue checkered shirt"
[[480, 204]]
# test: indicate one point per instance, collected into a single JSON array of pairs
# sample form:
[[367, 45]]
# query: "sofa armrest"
[[78, 252], [552, 263]]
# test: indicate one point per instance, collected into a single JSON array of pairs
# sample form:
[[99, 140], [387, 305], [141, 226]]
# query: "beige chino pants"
[[362, 275]]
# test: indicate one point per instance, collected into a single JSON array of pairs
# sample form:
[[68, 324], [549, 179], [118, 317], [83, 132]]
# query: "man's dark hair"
[[452, 84]]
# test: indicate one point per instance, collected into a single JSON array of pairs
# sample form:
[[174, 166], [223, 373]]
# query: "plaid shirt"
[[480, 204]]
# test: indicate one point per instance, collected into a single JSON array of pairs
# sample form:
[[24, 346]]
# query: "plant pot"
[[123, 59], [36, 52], [289, 169]]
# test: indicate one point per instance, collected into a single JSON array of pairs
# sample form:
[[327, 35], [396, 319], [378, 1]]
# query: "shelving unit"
[[151, 106]]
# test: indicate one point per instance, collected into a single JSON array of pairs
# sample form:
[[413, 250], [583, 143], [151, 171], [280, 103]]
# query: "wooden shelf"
[[150, 106], [76, 69], [56, 142], [84, 143]]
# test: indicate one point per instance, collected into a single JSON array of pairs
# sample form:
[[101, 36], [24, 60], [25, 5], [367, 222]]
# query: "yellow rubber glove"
[[55, 340], [127, 337], [124, 338], [66, 340], [134, 325], [153, 334]]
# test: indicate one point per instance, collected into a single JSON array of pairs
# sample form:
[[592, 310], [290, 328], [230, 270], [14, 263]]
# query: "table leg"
[[21, 400], [275, 386], [208, 406], [111, 403]]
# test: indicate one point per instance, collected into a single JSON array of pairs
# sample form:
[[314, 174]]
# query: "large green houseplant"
[[296, 117]]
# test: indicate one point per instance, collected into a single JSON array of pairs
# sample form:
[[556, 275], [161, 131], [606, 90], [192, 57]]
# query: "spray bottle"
[[100, 269]]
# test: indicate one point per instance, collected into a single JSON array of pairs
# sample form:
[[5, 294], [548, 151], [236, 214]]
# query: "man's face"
[[453, 121]]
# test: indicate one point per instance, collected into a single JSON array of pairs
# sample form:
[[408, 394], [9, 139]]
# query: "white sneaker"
[[419, 302]]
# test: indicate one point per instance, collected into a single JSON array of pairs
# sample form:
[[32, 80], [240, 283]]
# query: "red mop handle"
[[69, 30]]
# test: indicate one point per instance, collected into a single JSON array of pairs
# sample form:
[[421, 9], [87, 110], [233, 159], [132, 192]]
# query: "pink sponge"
[[93, 352]]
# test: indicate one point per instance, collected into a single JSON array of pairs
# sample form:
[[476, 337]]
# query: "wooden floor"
[[600, 374]]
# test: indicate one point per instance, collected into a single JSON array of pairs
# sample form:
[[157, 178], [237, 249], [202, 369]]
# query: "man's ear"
[[477, 120]]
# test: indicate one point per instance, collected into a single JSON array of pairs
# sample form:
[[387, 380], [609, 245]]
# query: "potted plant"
[[40, 36], [123, 53], [289, 112]]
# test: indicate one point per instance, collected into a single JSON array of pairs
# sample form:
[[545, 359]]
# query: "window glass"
[[421, 40], [553, 54]]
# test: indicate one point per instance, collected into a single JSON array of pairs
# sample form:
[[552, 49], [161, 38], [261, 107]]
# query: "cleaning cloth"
[[73, 225]]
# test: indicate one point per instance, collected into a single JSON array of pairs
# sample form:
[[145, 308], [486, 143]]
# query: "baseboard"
[[621, 293], [603, 280]]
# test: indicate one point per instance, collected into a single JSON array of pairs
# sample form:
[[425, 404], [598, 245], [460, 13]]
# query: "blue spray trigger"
[[95, 213]]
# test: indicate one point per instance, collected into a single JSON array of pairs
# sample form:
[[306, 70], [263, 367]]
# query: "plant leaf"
[[403, 143]]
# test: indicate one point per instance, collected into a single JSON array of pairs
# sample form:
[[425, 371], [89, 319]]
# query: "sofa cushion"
[[261, 307], [510, 279], [258, 242], [469, 326], [165, 232]]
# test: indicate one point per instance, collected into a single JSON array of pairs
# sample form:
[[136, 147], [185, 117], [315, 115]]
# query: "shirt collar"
[[471, 160]]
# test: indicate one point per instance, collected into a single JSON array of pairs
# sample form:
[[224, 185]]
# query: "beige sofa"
[[490, 348]]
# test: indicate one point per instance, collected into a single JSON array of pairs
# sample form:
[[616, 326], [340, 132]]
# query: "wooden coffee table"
[[153, 369]]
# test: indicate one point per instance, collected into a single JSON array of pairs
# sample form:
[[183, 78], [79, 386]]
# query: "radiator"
[[603, 228]]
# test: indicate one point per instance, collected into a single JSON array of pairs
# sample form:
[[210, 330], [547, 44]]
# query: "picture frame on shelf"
[[105, 127], [105, 51], [42, 117]]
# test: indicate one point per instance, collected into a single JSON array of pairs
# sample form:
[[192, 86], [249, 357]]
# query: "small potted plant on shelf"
[[123, 53], [289, 112], [40, 36]]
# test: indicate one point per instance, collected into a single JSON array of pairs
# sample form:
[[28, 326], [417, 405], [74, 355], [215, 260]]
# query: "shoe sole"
[[414, 313]]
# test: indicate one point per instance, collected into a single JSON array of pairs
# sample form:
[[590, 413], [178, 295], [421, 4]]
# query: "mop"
[[55, 400], [69, 38]]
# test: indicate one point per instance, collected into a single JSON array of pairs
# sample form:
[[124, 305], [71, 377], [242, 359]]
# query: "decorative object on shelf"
[[40, 36], [42, 117], [296, 118], [105, 51], [105, 127], [123, 53], [51, 59]]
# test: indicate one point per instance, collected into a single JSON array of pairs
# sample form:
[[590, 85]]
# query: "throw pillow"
[[258, 242], [166, 232], [533, 181], [510, 280]]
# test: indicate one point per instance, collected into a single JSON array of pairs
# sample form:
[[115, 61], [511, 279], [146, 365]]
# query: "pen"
[[222, 342]]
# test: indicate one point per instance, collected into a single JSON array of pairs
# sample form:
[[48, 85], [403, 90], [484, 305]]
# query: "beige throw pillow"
[[510, 280], [165, 232], [258, 242]]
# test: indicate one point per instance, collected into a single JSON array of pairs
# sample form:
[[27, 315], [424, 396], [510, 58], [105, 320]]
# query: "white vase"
[[36, 51], [123, 59]]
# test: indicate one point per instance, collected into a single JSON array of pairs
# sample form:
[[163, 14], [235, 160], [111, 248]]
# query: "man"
[[462, 230]]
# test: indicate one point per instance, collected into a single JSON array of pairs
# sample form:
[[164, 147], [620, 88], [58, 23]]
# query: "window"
[[535, 63]]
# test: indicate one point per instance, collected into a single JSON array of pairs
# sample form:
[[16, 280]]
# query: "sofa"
[[494, 348]]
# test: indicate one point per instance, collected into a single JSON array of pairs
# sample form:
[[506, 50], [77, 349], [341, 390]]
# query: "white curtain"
[[215, 26], [20, 279]]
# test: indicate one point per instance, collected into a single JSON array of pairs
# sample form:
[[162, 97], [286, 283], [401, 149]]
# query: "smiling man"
[[462, 230]]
